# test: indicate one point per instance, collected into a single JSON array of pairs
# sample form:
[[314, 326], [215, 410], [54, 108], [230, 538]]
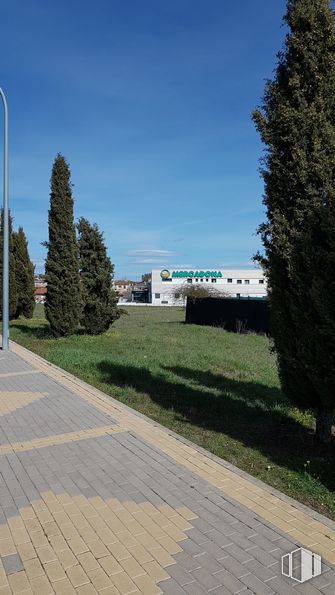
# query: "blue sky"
[[150, 103]]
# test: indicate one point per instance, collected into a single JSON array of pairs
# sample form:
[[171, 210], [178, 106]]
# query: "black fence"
[[233, 314]]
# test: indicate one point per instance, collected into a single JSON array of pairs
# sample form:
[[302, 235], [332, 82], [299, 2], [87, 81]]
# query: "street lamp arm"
[[5, 234]]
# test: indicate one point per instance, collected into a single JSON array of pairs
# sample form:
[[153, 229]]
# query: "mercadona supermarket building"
[[167, 284]]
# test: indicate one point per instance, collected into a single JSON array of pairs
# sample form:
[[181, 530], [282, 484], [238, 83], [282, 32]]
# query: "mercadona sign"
[[188, 274]]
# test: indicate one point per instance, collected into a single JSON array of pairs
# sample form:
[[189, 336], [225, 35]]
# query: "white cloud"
[[150, 253]]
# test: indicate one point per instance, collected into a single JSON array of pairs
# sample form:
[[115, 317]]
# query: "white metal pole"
[[5, 237]]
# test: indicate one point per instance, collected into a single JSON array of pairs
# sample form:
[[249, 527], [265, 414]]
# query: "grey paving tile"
[[171, 587], [205, 578], [280, 586], [12, 563], [260, 571], [256, 585], [230, 582], [233, 566], [183, 577]]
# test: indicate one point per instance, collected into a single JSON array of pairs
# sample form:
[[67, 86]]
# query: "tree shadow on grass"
[[40, 331], [36, 332], [254, 414]]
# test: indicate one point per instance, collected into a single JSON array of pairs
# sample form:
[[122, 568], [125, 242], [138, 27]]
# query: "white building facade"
[[168, 285]]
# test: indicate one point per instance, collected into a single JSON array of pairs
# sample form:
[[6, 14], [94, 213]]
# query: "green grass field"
[[218, 389]]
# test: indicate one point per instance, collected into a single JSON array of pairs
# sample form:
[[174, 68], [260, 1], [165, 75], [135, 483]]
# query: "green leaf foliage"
[[63, 303], [13, 295], [24, 276], [296, 122], [96, 273]]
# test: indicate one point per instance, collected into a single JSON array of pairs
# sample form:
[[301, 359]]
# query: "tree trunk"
[[324, 421]]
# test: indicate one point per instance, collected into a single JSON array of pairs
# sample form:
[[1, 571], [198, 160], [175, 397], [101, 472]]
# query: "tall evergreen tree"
[[13, 297], [24, 276], [297, 123], [63, 304], [96, 271]]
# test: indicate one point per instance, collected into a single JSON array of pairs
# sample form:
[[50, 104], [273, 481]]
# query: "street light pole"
[[5, 236]]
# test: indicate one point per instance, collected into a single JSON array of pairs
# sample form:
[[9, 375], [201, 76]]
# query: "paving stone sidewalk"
[[96, 498]]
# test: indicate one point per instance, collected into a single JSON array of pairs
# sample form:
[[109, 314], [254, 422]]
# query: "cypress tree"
[[13, 297], [96, 272], [24, 276], [296, 122], [62, 305]]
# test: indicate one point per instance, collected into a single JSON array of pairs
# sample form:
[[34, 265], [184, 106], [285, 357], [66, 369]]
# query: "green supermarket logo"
[[165, 274]]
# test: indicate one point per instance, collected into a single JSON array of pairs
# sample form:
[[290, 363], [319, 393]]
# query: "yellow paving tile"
[[140, 554], [57, 439], [181, 523], [324, 553], [77, 545], [87, 534], [107, 536], [77, 576], [87, 590], [12, 400], [110, 590], [46, 554], [131, 506], [98, 549], [15, 523], [41, 586], [99, 579], [147, 541], [18, 581], [124, 515], [64, 587], [51, 529], [26, 551], [88, 561], [58, 543], [155, 530], [33, 568], [110, 565], [175, 533], [54, 571], [169, 545], [119, 551], [162, 557], [156, 571], [20, 536], [67, 558], [3, 577], [39, 539], [132, 567], [123, 583], [7, 547], [147, 585], [33, 524], [5, 533], [135, 528], [127, 539], [69, 530]]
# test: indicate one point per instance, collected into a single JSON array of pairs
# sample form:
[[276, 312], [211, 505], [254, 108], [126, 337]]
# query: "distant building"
[[40, 294], [40, 289], [123, 288], [167, 285], [40, 281]]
